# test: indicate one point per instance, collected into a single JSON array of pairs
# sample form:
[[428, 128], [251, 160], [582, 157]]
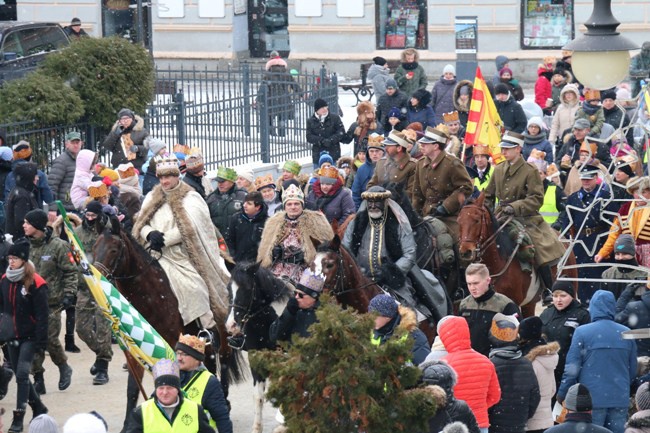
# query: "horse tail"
[[235, 365]]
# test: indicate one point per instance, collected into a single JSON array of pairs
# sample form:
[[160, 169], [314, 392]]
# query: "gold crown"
[[592, 94], [193, 342], [480, 149], [97, 189], [126, 170], [452, 116], [264, 181]]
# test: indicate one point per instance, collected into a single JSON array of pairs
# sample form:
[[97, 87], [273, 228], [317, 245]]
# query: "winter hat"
[[37, 218], [391, 83], [564, 286], [530, 328], [311, 284], [624, 244], [85, 423], [423, 97], [449, 68], [537, 121], [379, 61], [325, 157], [265, 181], [608, 94], [19, 249], [319, 103], [155, 145], [94, 206], [504, 328], [500, 61], [43, 424], [226, 173], [293, 193], [25, 173], [329, 175], [455, 427], [247, 174], [464, 90], [581, 124], [6, 154], [504, 71], [642, 396], [292, 167], [166, 372], [364, 108], [191, 345], [125, 112], [97, 189], [109, 173], [578, 398], [501, 89], [439, 373], [75, 22], [395, 112], [383, 305], [22, 150]]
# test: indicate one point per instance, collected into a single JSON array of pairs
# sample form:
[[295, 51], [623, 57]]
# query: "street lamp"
[[601, 56]]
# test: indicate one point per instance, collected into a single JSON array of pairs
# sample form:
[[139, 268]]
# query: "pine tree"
[[337, 381]]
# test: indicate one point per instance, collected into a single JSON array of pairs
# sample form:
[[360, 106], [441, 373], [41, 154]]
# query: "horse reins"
[[109, 274], [339, 287]]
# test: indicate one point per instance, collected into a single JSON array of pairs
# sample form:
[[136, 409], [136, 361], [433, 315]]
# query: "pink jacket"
[[83, 176]]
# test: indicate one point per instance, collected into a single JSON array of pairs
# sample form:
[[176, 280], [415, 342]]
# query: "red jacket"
[[543, 89], [477, 383]]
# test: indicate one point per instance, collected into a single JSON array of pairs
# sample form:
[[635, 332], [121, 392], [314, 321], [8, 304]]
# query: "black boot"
[[39, 384], [69, 344], [5, 378], [65, 376], [93, 369], [38, 408], [17, 422], [545, 276], [101, 378]]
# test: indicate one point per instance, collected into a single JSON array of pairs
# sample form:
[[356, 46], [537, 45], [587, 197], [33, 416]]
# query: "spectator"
[[635, 314], [126, 141], [570, 151], [272, 200], [565, 113], [157, 149], [615, 114], [280, 95], [378, 75], [535, 138], [392, 99], [329, 196], [591, 110], [325, 131], [510, 112], [543, 90], [500, 62], [345, 164], [246, 228], [419, 110], [62, 172], [245, 179], [505, 77], [410, 76], [640, 421], [624, 256], [442, 94], [6, 157], [565, 64], [359, 131], [226, 200], [43, 424], [463, 100], [375, 152], [579, 413], [91, 422], [22, 153], [74, 30], [625, 169], [559, 80], [82, 177], [22, 199], [640, 68]]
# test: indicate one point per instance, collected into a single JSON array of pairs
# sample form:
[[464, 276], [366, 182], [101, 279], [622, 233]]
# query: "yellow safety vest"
[[195, 388], [155, 421], [549, 210], [481, 186]]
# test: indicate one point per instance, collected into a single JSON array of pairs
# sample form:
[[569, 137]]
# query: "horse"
[[144, 283], [482, 239], [257, 299]]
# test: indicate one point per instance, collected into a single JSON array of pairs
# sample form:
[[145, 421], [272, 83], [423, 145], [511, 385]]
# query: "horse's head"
[[327, 261], [472, 221], [109, 249]]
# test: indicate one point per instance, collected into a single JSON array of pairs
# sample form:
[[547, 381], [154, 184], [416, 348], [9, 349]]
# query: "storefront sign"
[[466, 35]]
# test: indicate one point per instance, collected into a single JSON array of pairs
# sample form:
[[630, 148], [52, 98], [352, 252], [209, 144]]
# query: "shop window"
[[401, 24], [546, 23]]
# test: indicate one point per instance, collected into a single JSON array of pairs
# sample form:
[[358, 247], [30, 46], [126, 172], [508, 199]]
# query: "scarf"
[[590, 109], [410, 66], [15, 275], [533, 139], [506, 352]]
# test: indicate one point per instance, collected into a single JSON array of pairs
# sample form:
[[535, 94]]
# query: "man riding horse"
[[517, 187], [381, 240], [175, 221]]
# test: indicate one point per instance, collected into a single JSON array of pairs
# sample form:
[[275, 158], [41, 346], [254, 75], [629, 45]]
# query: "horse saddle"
[[517, 234], [443, 239]]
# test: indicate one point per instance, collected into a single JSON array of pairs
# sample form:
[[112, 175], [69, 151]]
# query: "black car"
[[24, 45]]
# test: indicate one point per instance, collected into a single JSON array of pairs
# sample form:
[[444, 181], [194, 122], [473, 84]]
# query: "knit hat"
[[168, 166], [511, 139], [501, 89], [391, 83], [379, 61], [642, 396], [6, 153], [504, 71], [97, 189], [265, 181], [37, 218], [329, 175], [194, 163], [292, 167], [624, 244], [43, 424], [22, 150], [226, 174], [439, 373], [537, 121], [247, 174], [75, 22], [578, 398], [564, 286], [155, 145], [325, 157], [94, 206], [581, 124], [166, 372], [191, 345], [464, 90], [530, 328], [311, 284], [85, 423], [19, 249], [394, 112], [319, 103], [383, 305], [449, 68], [608, 94], [504, 328], [109, 173], [293, 193], [125, 112]]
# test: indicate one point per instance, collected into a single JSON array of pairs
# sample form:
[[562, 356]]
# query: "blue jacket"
[[635, 314], [599, 358], [361, 179], [424, 115]]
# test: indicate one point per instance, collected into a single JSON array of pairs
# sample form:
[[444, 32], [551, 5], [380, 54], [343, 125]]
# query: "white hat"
[[84, 423], [247, 174], [449, 68]]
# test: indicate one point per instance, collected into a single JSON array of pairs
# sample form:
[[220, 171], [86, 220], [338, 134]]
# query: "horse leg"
[[259, 388]]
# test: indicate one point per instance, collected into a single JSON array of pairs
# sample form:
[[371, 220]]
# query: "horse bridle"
[[339, 286], [109, 274]]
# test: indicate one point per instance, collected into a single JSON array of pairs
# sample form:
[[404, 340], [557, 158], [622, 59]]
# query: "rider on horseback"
[[381, 240]]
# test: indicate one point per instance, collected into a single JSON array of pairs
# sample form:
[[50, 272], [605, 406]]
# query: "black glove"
[[298, 257], [556, 226], [156, 240], [292, 305], [276, 253], [441, 211], [134, 149], [507, 209], [69, 300], [118, 130], [326, 142]]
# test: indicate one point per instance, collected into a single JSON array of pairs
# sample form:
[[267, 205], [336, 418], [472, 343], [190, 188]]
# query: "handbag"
[[7, 330]]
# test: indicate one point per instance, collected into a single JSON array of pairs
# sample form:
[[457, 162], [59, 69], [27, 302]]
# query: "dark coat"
[[635, 315], [360, 142], [245, 234], [195, 182], [213, 400], [326, 135], [424, 115], [617, 118], [43, 191], [5, 169], [361, 179], [289, 324], [224, 206], [572, 148], [22, 199], [336, 206], [60, 179], [385, 103], [442, 98], [450, 410], [281, 90], [29, 312], [578, 422], [512, 115], [135, 133]]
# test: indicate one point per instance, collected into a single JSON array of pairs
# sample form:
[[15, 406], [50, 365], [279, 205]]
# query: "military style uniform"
[[389, 170], [224, 206]]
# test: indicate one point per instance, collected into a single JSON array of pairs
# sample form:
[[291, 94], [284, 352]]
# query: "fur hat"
[[85, 423], [379, 61], [504, 329], [37, 218], [168, 166], [642, 396], [364, 108], [22, 150], [293, 193], [292, 167], [191, 345], [265, 181], [166, 372], [578, 398], [43, 424], [624, 244], [319, 103], [126, 170], [328, 175], [531, 328], [311, 284], [19, 249], [97, 189], [345, 162], [226, 174], [423, 97], [383, 305], [564, 286]]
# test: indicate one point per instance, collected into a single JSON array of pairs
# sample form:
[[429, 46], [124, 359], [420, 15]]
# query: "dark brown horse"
[[143, 282], [482, 239]]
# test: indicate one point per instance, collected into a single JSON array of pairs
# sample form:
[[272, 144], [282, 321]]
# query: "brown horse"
[[143, 282], [344, 279], [482, 239]]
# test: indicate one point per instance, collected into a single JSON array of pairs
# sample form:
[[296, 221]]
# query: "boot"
[[39, 384], [17, 422], [101, 378], [93, 369], [38, 408], [69, 344], [545, 276], [5, 378], [65, 376]]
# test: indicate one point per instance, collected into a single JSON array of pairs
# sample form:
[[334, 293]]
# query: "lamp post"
[[601, 56]]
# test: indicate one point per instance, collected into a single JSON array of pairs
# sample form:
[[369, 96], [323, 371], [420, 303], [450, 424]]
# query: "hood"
[[25, 174], [57, 225], [460, 85], [544, 353], [570, 88], [438, 394], [409, 320], [602, 306], [500, 61], [454, 333], [411, 51], [85, 160], [276, 62]]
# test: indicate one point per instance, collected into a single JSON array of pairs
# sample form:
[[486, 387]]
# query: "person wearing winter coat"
[[640, 421], [83, 176], [130, 192], [157, 149], [565, 113], [544, 357], [392, 98], [478, 384], [513, 85], [624, 256], [22, 153], [280, 96], [374, 153], [510, 111], [543, 89], [378, 75], [325, 131], [463, 100], [419, 110], [126, 140], [591, 110], [410, 75], [598, 347], [442, 94], [578, 418], [439, 374], [22, 199], [635, 314], [614, 114], [519, 388], [245, 232], [62, 172], [265, 185], [6, 156], [535, 138], [365, 125], [329, 196], [500, 62], [561, 319]]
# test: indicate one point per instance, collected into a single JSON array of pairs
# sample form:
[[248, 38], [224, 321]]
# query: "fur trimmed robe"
[[190, 257]]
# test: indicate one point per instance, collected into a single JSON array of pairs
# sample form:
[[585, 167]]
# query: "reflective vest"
[[549, 210], [155, 421], [195, 388], [481, 186]]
